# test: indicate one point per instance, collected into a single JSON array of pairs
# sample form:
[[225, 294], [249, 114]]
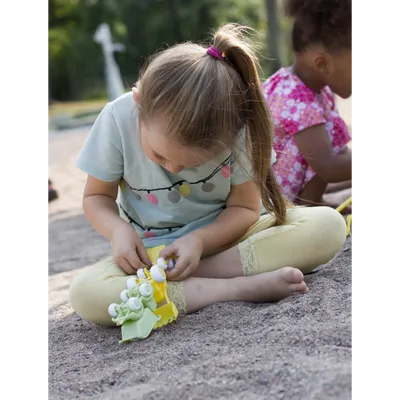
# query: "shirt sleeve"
[[241, 166], [101, 155], [300, 111]]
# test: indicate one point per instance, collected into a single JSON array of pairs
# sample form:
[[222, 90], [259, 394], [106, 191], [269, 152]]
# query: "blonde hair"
[[206, 101]]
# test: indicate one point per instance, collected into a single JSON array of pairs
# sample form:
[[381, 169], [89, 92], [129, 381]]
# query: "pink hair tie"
[[212, 51]]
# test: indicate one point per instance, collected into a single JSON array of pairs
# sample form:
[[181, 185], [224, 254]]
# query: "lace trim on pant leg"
[[176, 294], [248, 261]]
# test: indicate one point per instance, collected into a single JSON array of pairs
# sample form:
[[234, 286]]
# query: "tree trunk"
[[273, 32], [49, 92], [205, 22], [175, 19]]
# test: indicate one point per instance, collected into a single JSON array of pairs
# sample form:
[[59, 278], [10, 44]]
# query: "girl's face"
[[340, 78], [335, 71], [170, 155]]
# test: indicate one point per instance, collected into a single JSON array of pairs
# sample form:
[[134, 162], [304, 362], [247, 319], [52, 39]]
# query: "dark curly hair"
[[320, 21]]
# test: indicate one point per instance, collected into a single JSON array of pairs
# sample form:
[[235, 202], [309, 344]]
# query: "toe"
[[299, 287], [292, 275]]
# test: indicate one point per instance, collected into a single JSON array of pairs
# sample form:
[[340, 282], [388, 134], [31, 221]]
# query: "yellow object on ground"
[[349, 217]]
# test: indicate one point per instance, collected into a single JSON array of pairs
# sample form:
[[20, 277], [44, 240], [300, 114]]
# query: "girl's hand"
[[189, 250], [128, 250]]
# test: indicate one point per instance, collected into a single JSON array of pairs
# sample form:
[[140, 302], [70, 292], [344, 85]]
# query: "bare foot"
[[338, 186], [270, 286], [327, 201], [338, 198]]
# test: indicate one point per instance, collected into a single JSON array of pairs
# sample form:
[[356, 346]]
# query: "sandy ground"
[[299, 348]]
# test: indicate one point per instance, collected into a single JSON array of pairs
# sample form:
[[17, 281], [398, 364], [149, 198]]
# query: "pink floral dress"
[[295, 107]]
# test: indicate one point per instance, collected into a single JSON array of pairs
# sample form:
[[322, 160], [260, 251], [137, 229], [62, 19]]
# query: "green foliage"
[[143, 26]]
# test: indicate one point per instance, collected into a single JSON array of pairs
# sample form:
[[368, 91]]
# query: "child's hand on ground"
[[128, 249], [188, 250]]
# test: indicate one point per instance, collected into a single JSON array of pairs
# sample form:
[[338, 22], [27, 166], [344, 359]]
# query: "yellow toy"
[[348, 218], [166, 308], [145, 303]]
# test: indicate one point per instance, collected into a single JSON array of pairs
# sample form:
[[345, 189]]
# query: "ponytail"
[[231, 42]]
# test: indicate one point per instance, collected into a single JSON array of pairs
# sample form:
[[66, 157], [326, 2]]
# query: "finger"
[[185, 273], [169, 251], [142, 253], [124, 264], [181, 264], [133, 259]]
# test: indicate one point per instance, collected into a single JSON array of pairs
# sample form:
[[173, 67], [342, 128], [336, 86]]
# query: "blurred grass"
[[76, 108]]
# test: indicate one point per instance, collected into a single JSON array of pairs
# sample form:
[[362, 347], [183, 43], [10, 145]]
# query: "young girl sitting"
[[175, 150], [310, 137]]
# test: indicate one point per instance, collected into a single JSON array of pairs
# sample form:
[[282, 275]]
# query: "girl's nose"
[[173, 168]]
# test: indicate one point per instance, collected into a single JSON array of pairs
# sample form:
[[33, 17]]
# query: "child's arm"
[[101, 210], [102, 159], [315, 146], [242, 211], [100, 207]]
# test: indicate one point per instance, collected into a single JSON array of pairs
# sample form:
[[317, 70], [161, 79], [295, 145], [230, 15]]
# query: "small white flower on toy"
[[124, 295], [134, 303], [140, 273], [145, 289], [112, 310], [162, 263], [171, 263], [158, 274], [131, 282]]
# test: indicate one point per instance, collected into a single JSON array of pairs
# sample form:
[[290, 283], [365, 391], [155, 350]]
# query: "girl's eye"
[[158, 156]]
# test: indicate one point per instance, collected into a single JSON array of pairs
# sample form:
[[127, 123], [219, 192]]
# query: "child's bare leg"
[[312, 193], [315, 193], [222, 265], [266, 287]]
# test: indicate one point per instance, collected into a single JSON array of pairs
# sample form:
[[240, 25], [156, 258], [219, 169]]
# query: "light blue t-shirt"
[[160, 205]]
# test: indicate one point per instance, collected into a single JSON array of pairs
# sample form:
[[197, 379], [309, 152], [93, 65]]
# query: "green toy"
[[145, 304], [135, 313]]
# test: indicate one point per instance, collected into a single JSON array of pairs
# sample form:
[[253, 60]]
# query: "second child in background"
[[311, 139]]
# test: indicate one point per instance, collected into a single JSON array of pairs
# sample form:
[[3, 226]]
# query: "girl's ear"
[[135, 92], [323, 63]]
